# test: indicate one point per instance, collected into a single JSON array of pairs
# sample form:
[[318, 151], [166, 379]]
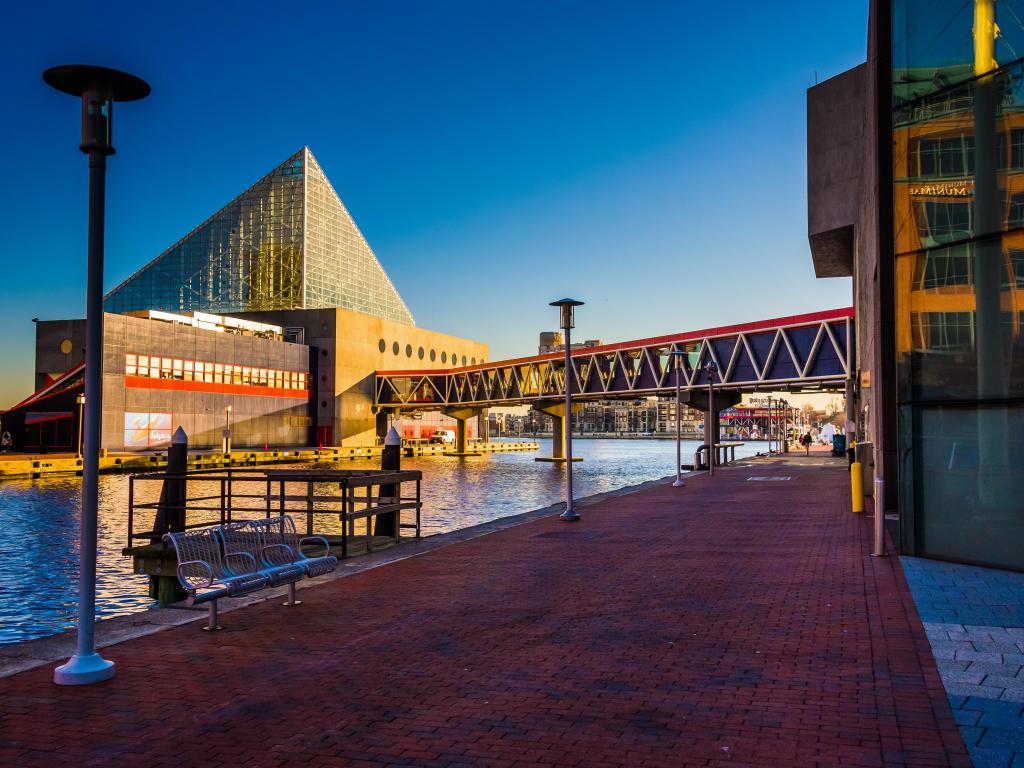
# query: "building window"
[[421, 353], [382, 346], [394, 347], [433, 355], [444, 357], [408, 350]]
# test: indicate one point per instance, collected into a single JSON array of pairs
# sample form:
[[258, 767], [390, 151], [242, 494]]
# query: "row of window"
[[213, 373], [954, 157], [421, 353]]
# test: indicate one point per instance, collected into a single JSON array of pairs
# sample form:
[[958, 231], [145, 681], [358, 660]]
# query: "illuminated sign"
[[962, 188], [147, 430]]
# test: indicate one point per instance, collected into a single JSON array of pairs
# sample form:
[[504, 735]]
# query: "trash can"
[[838, 445]]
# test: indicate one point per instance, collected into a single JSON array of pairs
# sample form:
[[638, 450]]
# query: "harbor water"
[[40, 520]]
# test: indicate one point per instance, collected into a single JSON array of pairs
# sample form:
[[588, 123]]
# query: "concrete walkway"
[[974, 619], [734, 622]]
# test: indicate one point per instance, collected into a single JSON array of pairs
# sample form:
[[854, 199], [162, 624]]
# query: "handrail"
[[355, 498]]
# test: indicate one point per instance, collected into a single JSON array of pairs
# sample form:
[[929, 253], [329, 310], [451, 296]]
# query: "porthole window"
[[463, 359], [455, 359], [421, 353], [444, 357], [473, 361], [394, 347], [408, 350], [433, 355], [382, 345]]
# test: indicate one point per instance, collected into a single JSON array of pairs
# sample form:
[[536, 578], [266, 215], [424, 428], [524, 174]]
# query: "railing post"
[[131, 507], [309, 507]]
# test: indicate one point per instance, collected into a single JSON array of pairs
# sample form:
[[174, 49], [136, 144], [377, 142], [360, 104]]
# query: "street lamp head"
[[227, 409], [81, 398], [99, 88], [711, 368], [566, 306]]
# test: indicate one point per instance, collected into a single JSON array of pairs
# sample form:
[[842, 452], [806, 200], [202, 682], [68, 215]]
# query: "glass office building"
[[958, 195], [287, 242]]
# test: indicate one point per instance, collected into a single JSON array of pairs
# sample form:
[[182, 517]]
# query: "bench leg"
[[291, 596], [211, 624]]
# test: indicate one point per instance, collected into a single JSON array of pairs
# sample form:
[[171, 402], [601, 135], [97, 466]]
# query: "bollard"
[[390, 459], [879, 548], [857, 486]]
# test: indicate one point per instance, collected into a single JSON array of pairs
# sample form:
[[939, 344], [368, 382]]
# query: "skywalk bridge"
[[812, 351]]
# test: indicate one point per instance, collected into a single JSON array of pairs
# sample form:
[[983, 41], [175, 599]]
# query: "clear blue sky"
[[647, 158]]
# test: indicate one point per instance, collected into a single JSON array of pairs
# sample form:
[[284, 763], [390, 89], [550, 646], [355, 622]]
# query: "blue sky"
[[647, 158]]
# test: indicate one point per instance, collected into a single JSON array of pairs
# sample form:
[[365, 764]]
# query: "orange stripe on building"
[[145, 382]]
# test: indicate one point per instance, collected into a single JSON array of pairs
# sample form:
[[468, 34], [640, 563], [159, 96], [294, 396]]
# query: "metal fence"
[[335, 499]]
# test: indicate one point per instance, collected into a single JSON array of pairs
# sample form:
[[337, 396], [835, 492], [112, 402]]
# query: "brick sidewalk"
[[730, 623]]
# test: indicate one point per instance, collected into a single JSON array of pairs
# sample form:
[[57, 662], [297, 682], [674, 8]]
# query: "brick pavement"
[[730, 623]]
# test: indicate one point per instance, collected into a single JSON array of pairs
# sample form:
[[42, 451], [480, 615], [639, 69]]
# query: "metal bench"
[[202, 573], [235, 559]]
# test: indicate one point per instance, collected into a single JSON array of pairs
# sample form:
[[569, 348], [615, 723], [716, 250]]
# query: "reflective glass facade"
[[287, 242], [958, 153]]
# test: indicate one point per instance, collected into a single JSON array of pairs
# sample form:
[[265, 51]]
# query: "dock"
[[13, 466]]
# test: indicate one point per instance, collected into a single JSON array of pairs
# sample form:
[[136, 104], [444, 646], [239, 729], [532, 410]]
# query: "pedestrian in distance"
[[805, 441]]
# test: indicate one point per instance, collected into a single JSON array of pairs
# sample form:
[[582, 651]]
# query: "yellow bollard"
[[857, 486]]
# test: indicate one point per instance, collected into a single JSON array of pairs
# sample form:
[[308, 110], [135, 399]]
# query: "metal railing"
[[220, 496]]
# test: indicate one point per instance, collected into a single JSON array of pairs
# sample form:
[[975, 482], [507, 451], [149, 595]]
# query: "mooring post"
[[390, 460], [170, 515]]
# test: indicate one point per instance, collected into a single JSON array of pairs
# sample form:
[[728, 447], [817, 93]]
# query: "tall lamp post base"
[[83, 670], [569, 515], [678, 483]]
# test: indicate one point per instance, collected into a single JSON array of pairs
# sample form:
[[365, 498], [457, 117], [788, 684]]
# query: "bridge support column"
[[461, 416], [556, 410], [724, 398], [460, 436]]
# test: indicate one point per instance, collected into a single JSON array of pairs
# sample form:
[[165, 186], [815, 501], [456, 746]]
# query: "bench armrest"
[[203, 564], [321, 539]]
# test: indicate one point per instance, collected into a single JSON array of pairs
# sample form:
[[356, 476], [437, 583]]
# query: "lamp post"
[[98, 88], [227, 430], [677, 356], [81, 407], [769, 425], [566, 307], [710, 367]]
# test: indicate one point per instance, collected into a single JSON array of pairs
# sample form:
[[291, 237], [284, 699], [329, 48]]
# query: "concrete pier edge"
[[29, 654]]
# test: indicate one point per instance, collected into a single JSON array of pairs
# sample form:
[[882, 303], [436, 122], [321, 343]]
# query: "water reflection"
[[40, 520]]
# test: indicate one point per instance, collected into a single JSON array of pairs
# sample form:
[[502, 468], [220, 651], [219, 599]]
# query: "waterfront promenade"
[[730, 623]]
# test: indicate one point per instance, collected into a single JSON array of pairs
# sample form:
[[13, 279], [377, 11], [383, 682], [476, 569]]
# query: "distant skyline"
[[649, 160]]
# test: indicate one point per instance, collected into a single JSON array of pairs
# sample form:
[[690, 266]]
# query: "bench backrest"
[[197, 545], [280, 538], [241, 539]]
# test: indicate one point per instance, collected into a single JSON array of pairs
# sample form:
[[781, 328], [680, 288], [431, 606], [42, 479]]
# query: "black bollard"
[[390, 460], [170, 515], [170, 511]]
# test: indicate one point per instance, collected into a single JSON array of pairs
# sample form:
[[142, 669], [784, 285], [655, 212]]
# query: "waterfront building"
[[916, 190], [268, 320]]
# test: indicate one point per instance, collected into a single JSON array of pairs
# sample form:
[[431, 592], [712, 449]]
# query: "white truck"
[[443, 437]]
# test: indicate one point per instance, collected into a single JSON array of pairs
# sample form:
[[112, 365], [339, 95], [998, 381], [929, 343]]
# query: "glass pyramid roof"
[[287, 242]]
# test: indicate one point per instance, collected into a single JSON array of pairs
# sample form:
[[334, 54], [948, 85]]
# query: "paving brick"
[[718, 625]]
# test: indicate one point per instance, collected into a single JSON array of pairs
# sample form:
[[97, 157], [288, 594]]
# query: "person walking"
[[805, 441]]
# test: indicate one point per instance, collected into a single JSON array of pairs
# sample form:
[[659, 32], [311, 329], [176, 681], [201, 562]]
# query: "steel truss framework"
[[797, 351]]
